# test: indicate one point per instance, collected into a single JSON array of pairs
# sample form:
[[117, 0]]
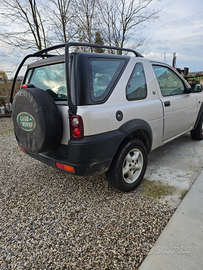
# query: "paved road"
[[176, 164]]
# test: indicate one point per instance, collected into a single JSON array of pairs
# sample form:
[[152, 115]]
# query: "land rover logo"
[[26, 121]]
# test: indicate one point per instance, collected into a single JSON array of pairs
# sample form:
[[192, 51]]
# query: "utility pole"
[[174, 60], [165, 57]]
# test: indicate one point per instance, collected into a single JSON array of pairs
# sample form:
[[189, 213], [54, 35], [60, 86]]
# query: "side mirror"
[[196, 87]]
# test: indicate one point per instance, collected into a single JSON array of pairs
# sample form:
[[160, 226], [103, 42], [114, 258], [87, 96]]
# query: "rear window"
[[103, 76], [50, 78]]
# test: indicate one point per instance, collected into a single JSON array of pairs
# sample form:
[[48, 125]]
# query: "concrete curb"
[[180, 245]]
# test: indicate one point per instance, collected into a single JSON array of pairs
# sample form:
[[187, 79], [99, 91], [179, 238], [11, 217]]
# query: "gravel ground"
[[52, 220]]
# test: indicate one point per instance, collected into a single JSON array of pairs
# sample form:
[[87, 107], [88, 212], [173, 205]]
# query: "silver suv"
[[88, 113]]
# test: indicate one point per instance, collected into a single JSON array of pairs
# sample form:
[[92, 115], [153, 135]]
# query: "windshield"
[[50, 78]]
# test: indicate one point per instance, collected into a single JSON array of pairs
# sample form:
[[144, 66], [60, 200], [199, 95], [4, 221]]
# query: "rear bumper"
[[90, 155], [80, 169]]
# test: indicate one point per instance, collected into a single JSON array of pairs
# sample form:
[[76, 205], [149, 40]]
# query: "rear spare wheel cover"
[[36, 119]]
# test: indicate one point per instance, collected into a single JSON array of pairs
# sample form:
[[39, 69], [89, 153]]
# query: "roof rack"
[[44, 53]]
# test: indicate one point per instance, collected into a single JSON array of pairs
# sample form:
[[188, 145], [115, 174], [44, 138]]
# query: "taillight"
[[76, 127], [24, 86]]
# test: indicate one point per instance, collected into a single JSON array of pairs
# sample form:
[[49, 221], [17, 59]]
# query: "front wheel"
[[197, 133], [128, 166]]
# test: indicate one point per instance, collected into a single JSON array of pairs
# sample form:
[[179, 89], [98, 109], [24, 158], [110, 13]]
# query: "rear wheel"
[[197, 133], [128, 166]]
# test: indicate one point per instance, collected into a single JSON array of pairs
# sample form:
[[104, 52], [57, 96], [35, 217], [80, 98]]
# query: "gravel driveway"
[[52, 220]]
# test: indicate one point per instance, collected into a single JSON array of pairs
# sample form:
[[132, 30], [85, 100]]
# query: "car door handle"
[[167, 103]]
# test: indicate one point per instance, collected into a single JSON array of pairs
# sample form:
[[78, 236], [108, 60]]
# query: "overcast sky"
[[179, 29]]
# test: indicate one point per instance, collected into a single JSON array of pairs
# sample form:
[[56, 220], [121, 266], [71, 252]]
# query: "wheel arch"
[[138, 129], [198, 116]]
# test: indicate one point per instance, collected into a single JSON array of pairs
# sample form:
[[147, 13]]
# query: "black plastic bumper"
[[90, 155]]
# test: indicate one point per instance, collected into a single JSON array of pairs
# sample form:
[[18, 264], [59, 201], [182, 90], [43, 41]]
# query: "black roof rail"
[[44, 53]]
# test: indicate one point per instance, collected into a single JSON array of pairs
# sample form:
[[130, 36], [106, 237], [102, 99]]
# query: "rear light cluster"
[[76, 127]]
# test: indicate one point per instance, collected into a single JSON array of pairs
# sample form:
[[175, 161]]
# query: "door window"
[[170, 84]]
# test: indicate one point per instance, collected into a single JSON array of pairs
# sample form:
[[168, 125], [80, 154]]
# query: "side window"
[[170, 84], [103, 74], [137, 88]]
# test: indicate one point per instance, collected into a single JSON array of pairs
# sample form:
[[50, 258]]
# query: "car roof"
[[47, 61]]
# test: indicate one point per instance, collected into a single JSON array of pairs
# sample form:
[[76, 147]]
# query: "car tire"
[[128, 166], [36, 119], [197, 133]]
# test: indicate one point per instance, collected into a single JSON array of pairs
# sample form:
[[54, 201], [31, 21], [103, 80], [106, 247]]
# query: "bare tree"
[[122, 19], [24, 24], [30, 24], [107, 20], [85, 19], [61, 16]]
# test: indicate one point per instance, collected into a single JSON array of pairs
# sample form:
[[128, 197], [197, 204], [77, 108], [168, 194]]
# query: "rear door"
[[180, 108]]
